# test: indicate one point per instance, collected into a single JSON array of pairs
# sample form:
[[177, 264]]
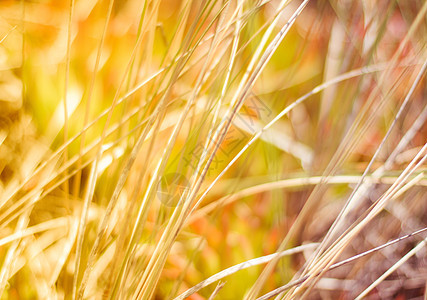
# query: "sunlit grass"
[[227, 149]]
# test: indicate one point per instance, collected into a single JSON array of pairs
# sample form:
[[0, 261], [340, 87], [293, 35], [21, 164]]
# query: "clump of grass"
[[201, 149]]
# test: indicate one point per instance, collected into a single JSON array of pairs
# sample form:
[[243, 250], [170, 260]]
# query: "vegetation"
[[200, 149]]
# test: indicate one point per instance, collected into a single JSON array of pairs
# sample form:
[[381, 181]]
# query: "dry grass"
[[213, 149]]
